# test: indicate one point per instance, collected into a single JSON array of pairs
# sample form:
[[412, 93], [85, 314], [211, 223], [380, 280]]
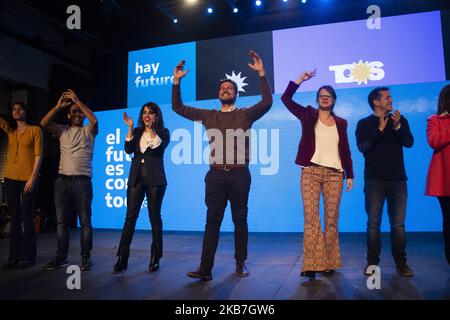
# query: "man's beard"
[[228, 101]]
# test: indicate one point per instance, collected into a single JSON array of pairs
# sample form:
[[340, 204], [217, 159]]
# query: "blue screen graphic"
[[150, 73], [275, 201]]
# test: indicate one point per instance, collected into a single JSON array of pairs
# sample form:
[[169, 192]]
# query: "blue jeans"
[[395, 193], [73, 191], [22, 244]]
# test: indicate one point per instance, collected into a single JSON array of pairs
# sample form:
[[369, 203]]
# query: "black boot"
[[308, 274], [200, 274], [241, 269], [154, 264], [122, 263]]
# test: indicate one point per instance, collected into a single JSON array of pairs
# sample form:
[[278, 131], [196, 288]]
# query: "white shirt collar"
[[233, 107]]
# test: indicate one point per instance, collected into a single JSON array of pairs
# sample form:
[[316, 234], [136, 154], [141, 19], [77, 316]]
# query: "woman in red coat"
[[438, 180]]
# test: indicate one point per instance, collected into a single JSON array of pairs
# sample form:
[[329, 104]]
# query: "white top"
[[327, 151], [148, 142], [77, 146]]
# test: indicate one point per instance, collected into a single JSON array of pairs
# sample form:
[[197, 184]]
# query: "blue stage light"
[[210, 10], [258, 2], [304, 1], [175, 20], [235, 10]]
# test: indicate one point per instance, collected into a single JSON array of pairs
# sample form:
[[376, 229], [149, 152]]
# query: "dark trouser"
[[135, 196], [221, 186], [445, 206], [22, 242], [73, 191], [395, 192]]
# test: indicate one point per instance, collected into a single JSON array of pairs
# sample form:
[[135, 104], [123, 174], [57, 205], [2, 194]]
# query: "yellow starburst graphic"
[[361, 72]]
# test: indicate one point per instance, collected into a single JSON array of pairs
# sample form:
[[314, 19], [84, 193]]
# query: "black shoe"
[[26, 264], [121, 264], [241, 269], [308, 274], [366, 269], [86, 263], [11, 263], [328, 272], [154, 265], [199, 274], [56, 263], [405, 270]]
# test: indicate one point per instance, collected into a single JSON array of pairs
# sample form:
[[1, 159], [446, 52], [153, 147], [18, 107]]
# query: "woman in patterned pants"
[[325, 158]]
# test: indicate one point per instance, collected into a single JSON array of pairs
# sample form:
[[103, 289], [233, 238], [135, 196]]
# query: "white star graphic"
[[238, 80]]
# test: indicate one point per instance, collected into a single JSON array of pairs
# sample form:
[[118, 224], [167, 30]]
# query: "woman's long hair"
[[444, 100], [159, 126], [12, 124]]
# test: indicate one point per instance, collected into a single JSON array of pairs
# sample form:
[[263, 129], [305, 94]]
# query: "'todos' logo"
[[359, 72]]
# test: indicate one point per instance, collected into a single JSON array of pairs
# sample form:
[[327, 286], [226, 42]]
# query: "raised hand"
[[61, 103], [72, 96], [257, 65], [179, 72], [128, 121], [306, 75]]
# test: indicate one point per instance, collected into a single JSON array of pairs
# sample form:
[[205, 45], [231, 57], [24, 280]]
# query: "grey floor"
[[274, 263]]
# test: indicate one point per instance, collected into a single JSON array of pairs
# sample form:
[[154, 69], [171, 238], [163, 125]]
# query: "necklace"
[[16, 156]]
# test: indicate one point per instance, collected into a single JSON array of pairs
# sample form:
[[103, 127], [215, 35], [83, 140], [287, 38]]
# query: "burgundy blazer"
[[308, 117]]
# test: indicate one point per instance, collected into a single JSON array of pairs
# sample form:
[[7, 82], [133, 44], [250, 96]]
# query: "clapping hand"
[[128, 121], [396, 116]]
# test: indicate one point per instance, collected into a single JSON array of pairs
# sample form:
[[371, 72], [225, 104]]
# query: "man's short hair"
[[230, 81], [375, 94]]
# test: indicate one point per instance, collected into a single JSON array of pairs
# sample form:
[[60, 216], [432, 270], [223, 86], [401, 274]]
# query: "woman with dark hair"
[[21, 182], [325, 158], [147, 178], [438, 180]]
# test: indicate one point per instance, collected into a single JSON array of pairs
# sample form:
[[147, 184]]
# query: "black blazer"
[[153, 158]]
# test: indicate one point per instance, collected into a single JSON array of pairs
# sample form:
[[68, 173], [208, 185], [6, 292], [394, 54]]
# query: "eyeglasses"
[[324, 96]]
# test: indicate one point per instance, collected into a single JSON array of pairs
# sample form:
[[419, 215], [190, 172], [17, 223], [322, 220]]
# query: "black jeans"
[[22, 243], [445, 206], [395, 192], [73, 191], [135, 196], [221, 186]]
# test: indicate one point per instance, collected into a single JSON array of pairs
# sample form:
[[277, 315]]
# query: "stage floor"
[[274, 263]]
